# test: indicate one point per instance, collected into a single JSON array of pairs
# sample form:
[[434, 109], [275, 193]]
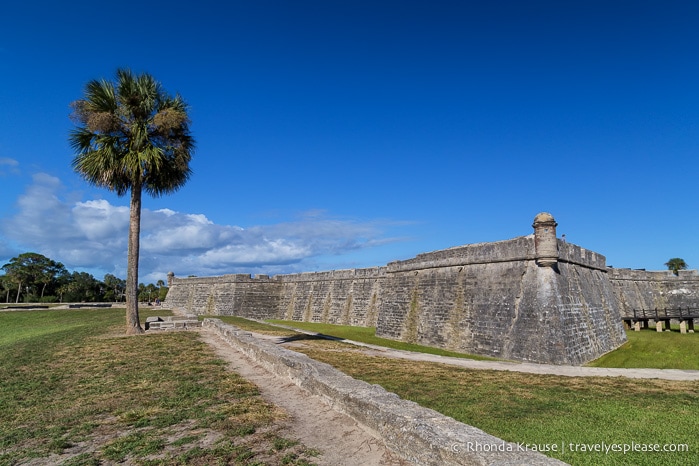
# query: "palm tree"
[[132, 136], [676, 264]]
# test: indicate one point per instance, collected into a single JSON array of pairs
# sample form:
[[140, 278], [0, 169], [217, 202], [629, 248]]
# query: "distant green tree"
[[51, 275], [152, 292], [5, 287], [676, 264], [31, 276], [64, 290], [16, 273], [31, 271], [147, 293], [115, 287], [132, 137], [83, 287], [162, 290]]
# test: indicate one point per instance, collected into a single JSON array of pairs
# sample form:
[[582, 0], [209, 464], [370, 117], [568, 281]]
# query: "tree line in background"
[[33, 278]]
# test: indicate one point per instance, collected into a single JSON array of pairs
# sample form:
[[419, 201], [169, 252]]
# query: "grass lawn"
[[75, 391], [368, 335], [536, 409], [659, 350], [72, 386]]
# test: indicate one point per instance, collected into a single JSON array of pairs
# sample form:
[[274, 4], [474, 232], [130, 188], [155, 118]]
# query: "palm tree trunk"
[[19, 287], [133, 325]]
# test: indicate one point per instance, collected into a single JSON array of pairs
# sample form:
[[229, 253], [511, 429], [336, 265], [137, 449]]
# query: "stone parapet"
[[653, 275], [513, 250], [228, 278], [346, 274], [577, 255], [517, 249]]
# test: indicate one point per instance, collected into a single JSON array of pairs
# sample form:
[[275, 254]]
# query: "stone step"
[[172, 323]]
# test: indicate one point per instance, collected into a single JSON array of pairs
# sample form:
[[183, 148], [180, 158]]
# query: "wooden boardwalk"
[[662, 317]]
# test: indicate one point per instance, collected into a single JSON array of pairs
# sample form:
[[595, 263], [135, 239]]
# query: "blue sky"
[[341, 134]]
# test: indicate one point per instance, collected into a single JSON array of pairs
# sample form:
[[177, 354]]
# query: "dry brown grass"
[[84, 397]]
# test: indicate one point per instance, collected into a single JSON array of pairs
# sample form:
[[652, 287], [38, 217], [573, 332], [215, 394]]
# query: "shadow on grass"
[[306, 336]]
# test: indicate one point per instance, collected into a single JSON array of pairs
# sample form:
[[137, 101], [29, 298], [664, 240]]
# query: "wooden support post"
[[690, 325], [667, 325]]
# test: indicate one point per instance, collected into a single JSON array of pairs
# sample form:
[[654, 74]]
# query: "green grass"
[[658, 350], [24, 324], [70, 377], [254, 326], [647, 348], [368, 335]]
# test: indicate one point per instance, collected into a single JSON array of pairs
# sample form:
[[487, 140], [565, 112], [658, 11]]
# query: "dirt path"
[[548, 369], [315, 424]]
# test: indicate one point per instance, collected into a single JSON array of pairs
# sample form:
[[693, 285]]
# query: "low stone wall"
[[172, 323], [420, 435]]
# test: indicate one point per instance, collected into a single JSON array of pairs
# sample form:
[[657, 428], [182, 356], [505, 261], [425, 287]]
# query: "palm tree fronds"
[[131, 136]]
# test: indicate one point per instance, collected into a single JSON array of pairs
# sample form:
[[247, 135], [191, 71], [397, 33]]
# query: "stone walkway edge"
[[419, 435]]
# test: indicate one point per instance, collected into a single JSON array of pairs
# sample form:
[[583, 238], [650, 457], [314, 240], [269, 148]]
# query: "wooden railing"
[[662, 317]]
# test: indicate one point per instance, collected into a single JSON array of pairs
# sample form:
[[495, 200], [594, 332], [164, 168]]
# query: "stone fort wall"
[[495, 299], [533, 298], [649, 290]]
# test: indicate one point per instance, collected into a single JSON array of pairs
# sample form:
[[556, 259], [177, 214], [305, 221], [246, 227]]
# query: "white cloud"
[[42, 215], [257, 251], [8, 165], [93, 234], [100, 221]]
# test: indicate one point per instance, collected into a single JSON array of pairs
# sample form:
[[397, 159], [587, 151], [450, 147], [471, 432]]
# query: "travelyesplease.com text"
[[603, 447]]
